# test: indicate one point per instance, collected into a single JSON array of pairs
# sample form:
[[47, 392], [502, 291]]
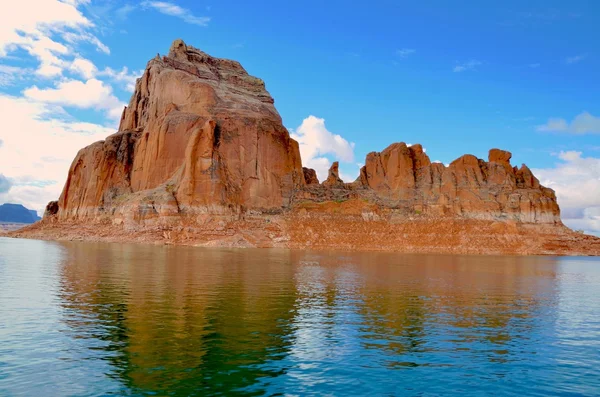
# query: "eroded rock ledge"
[[403, 178], [202, 157]]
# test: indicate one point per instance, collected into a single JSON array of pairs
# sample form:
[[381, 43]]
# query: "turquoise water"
[[81, 319]]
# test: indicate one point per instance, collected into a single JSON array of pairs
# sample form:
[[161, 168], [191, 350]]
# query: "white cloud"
[[39, 138], [40, 141], [124, 77], [575, 59], [47, 51], [11, 74], [86, 69], [74, 38], [405, 52], [32, 24], [469, 65], [77, 2], [83, 67], [576, 180], [93, 94], [124, 11], [174, 10], [30, 18], [316, 142], [349, 177], [583, 123], [5, 184]]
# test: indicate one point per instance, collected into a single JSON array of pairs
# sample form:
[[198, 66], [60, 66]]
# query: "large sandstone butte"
[[199, 136], [201, 157]]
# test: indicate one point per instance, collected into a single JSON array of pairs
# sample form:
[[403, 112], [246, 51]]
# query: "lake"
[[86, 319]]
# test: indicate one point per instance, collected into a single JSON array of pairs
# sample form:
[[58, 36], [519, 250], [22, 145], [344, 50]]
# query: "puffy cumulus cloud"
[[583, 123], [174, 10], [92, 94], [48, 53], [39, 138], [86, 69], [5, 184], [35, 26], [83, 67], [576, 180], [316, 142], [40, 141]]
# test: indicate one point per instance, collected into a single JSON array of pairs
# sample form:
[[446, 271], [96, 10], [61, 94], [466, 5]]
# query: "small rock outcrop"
[[333, 177], [310, 176], [51, 209]]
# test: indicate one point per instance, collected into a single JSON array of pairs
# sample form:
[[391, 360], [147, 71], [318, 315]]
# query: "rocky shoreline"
[[346, 226]]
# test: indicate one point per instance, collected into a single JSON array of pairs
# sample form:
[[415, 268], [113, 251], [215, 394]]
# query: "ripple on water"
[[102, 319]]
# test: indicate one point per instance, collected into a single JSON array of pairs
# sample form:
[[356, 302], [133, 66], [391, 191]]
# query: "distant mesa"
[[16, 213], [201, 157]]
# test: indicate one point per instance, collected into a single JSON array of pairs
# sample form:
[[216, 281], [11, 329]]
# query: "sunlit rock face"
[[199, 135], [202, 158], [403, 176]]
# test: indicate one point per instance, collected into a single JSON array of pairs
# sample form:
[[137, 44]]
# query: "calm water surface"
[[106, 319]]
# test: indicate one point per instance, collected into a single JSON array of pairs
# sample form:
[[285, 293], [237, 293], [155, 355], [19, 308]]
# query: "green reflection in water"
[[181, 321], [185, 321]]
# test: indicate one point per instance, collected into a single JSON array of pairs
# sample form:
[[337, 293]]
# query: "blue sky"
[[458, 77]]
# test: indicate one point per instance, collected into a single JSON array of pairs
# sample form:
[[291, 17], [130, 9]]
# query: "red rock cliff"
[[403, 176], [199, 135], [201, 144]]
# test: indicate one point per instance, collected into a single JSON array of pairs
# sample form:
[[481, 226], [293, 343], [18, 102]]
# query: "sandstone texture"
[[199, 136], [469, 187], [202, 158], [310, 176]]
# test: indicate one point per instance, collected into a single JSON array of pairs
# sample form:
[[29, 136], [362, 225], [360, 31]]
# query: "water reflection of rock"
[[195, 321], [184, 321], [480, 306]]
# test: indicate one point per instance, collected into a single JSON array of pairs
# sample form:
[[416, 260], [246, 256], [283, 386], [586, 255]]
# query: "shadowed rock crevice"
[[310, 176]]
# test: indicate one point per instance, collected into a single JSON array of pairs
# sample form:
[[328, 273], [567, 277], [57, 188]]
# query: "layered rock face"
[[199, 135], [202, 157], [404, 177]]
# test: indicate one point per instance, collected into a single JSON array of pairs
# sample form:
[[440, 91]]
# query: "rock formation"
[[310, 176], [404, 176], [199, 135], [202, 157], [333, 177]]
